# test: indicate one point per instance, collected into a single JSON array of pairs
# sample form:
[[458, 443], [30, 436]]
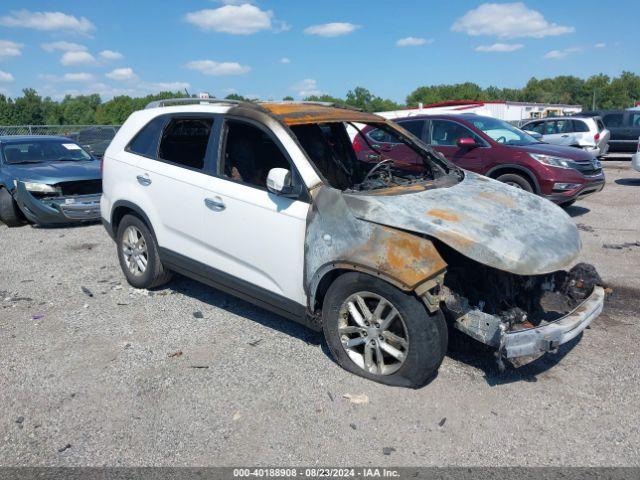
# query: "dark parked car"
[[47, 180], [624, 126], [493, 148], [95, 140]]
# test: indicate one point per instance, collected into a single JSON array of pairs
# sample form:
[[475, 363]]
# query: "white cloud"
[[79, 77], [306, 88], [245, 19], [560, 54], [121, 74], [110, 55], [63, 46], [335, 29], [5, 77], [9, 49], [499, 47], [285, 60], [77, 58], [210, 67], [507, 20], [413, 42], [600, 45], [46, 21]]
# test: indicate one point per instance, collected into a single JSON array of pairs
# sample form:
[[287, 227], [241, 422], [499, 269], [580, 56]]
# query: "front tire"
[[10, 215], [517, 181], [381, 333], [138, 254]]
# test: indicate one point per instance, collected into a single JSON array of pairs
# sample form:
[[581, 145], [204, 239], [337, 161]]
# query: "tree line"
[[600, 90]]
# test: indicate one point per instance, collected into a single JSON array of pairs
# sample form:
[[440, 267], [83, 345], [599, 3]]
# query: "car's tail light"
[[596, 137], [357, 146]]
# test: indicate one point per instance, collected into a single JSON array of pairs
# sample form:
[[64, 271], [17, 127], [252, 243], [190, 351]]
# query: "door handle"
[[216, 205], [565, 136], [144, 180]]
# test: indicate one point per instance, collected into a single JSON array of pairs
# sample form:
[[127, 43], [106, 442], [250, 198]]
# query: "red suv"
[[493, 148]]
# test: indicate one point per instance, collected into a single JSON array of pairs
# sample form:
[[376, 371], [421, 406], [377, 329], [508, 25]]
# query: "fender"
[[520, 168], [337, 240], [131, 206]]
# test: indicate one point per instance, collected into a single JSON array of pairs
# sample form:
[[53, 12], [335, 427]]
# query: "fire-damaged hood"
[[492, 223]]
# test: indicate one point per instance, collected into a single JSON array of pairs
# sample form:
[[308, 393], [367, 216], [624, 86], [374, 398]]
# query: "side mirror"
[[279, 181], [466, 143]]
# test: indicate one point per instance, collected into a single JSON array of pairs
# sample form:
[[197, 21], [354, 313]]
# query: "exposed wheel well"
[[118, 215], [324, 285], [516, 171]]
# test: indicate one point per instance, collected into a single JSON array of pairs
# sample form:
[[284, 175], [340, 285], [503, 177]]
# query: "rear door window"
[[564, 126], [184, 141], [416, 127], [447, 133]]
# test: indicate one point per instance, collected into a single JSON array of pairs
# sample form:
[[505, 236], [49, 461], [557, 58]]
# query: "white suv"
[[270, 203], [587, 133]]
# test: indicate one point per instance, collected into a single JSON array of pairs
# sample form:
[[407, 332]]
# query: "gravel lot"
[[95, 377]]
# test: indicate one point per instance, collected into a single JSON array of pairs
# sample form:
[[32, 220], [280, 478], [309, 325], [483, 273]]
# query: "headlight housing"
[[553, 161], [40, 187]]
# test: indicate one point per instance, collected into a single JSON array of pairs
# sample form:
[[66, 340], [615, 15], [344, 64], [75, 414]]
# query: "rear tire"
[[10, 214], [138, 254], [411, 345], [517, 181]]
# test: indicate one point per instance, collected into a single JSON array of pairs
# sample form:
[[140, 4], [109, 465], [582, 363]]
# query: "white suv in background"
[[270, 203], [588, 133]]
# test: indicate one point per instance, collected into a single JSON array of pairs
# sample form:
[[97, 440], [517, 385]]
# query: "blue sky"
[[273, 48]]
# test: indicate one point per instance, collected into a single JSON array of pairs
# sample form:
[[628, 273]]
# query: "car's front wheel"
[[138, 254], [516, 181], [10, 215], [381, 333]]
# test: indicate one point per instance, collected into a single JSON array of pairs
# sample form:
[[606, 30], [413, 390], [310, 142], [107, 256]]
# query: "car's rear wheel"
[[381, 333], [138, 254], [515, 180], [10, 214]]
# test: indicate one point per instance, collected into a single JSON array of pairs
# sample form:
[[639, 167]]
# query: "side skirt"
[[238, 288]]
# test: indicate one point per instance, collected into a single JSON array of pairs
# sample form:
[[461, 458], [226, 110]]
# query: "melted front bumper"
[[534, 341]]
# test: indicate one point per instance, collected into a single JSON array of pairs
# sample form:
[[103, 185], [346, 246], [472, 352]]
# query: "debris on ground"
[[330, 395], [353, 426], [86, 291], [442, 422], [255, 343], [66, 447], [356, 398], [621, 246], [175, 354], [236, 416], [37, 317], [19, 421], [198, 314], [388, 450], [198, 366], [585, 228]]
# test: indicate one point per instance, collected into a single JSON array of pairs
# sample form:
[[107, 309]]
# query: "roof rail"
[[192, 101], [312, 102]]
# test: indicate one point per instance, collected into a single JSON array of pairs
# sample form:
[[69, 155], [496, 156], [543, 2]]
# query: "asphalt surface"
[[108, 375]]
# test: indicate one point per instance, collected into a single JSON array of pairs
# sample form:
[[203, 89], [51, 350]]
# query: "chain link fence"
[[94, 138]]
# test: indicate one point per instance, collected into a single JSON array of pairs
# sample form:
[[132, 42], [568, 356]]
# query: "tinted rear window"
[[580, 126], [146, 141]]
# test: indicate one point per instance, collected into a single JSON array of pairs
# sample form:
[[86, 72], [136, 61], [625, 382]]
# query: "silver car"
[[588, 133], [635, 159]]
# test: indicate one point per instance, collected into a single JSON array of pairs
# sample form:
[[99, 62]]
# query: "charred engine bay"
[[520, 302]]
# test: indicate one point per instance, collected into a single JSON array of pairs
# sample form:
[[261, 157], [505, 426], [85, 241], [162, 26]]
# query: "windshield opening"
[[40, 151], [369, 156], [503, 132]]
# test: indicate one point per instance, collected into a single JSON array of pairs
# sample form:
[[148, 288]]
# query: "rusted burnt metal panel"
[[337, 239], [485, 220], [301, 113]]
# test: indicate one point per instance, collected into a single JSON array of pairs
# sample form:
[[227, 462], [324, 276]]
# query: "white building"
[[510, 111]]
